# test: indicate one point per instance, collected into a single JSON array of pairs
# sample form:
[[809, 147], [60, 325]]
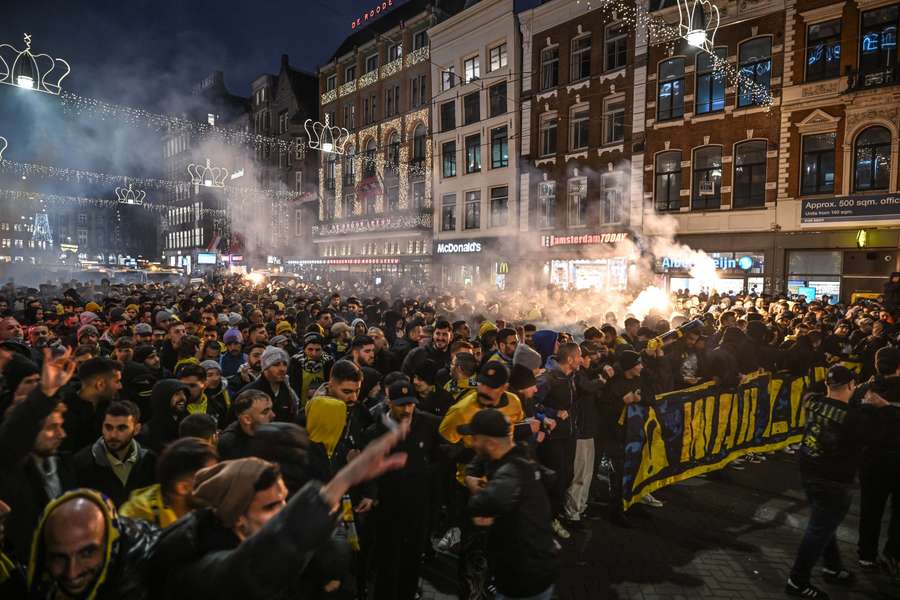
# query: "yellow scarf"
[[197, 407], [325, 419]]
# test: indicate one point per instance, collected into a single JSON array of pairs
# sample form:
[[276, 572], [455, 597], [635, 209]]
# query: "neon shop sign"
[[372, 13]]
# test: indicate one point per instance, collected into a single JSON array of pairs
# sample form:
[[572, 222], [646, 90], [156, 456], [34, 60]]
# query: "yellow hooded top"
[[149, 505], [325, 420]]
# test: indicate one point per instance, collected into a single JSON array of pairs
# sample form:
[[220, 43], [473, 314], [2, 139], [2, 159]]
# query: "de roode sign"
[[372, 13]]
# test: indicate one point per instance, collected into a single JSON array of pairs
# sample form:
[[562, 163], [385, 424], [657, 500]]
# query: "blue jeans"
[[828, 503], [545, 595]]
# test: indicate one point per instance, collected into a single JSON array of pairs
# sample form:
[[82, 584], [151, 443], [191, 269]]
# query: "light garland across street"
[[20, 196]]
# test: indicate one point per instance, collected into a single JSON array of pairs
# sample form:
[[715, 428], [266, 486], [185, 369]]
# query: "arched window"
[[755, 57], [668, 181], [706, 183], [710, 95], [670, 99], [749, 186], [369, 159], [872, 160], [419, 143]]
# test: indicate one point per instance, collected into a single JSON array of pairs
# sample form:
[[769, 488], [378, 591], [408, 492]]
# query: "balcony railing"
[[417, 56], [329, 96], [367, 79], [375, 224], [860, 81], [347, 88]]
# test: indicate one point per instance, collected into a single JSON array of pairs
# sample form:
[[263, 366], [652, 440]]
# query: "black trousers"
[[828, 504], [615, 452], [559, 456], [400, 532], [879, 479]]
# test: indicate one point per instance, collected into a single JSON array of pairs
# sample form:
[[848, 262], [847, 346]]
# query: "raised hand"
[[56, 372]]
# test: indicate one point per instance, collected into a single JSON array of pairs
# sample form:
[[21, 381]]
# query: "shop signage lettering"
[[722, 263], [849, 208], [371, 13], [457, 247], [589, 239], [346, 261]]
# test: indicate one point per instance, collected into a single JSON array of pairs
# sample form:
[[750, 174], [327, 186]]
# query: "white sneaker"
[[559, 530], [450, 539], [649, 500]]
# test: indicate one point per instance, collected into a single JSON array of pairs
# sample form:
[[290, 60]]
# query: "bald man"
[[74, 559]]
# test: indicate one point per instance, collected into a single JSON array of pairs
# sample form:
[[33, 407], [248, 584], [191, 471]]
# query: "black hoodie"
[[163, 425]]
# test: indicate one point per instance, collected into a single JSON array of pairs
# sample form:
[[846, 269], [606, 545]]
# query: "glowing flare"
[[696, 38], [256, 278]]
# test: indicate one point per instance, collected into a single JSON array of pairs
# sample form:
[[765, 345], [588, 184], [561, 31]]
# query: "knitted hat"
[[629, 359], [485, 327], [527, 356], [142, 352], [234, 319], [233, 336], [211, 364], [283, 327], [92, 307], [17, 369], [87, 317], [86, 330], [143, 329], [272, 356], [278, 339], [229, 487], [163, 315]]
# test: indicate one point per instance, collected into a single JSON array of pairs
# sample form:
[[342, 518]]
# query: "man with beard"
[[274, 364], [248, 372], [116, 464], [101, 380], [310, 367], [194, 376], [507, 340], [401, 514], [437, 350], [168, 355], [10, 330], [252, 408], [169, 405], [362, 352], [344, 384]]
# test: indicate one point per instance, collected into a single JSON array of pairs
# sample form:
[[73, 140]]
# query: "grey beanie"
[[211, 364], [272, 355], [527, 357]]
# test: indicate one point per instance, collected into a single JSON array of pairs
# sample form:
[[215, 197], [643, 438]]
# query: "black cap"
[[401, 392], [494, 374], [313, 338], [887, 360], [489, 421], [521, 378], [838, 375], [629, 359]]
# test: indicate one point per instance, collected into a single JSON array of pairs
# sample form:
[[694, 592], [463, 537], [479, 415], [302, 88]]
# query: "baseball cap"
[[493, 374], [401, 392], [489, 421], [838, 375], [143, 329], [887, 360]]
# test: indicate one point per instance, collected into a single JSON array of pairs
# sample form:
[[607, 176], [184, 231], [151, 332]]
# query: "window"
[[546, 213], [329, 173], [497, 96], [707, 179], [282, 122], [613, 120], [393, 197], [549, 68], [548, 135], [395, 51], [5, 243], [872, 160], [577, 208], [448, 78], [346, 206], [448, 212], [211, 118], [448, 158], [667, 190], [817, 176], [370, 201], [392, 101], [373, 100], [710, 96], [579, 121], [499, 148], [82, 237], [670, 103], [369, 160], [371, 62], [473, 153], [367, 112], [298, 181], [417, 95], [420, 39], [610, 199], [349, 116], [755, 57], [349, 169], [350, 73], [498, 57], [448, 115], [581, 58], [471, 108], [616, 46], [330, 83], [823, 51], [473, 210], [499, 206], [418, 154], [82, 219], [471, 70], [748, 189], [393, 152], [878, 46]]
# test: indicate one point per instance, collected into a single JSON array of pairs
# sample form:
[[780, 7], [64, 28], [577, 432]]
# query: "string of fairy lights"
[[44, 198]]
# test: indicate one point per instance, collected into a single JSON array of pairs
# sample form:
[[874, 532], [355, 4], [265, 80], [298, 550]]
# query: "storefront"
[[590, 260], [736, 271], [386, 271], [838, 273], [472, 262]]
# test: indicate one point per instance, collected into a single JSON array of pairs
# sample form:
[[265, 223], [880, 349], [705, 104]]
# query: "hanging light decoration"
[[698, 22], [327, 138], [130, 196], [3, 145], [38, 72], [207, 176]]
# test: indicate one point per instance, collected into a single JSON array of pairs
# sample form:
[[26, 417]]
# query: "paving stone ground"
[[731, 535]]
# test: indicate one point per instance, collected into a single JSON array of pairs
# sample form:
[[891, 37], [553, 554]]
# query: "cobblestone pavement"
[[729, 535]]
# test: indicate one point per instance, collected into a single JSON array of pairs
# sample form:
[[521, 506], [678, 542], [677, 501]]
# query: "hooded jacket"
[[149, 504], [163, 426], [545, 343], [93, 470], [137, 385], [128, 543]]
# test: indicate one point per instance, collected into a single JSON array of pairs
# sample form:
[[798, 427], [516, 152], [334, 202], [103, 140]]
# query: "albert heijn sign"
[[372, 13]]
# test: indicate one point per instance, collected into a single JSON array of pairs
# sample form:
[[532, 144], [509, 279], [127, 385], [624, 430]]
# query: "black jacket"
[[556, 392], [418, 356], [137, 385], [82, 421], [285, 403], [590, 389], [197, 558], [522, 554], [234, 443], [92, 470], [162, 428]]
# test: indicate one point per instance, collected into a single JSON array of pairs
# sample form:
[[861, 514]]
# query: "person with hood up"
[[341, 335], [234, 355], [83, 549], [359, 327], [138, 378], [21, 375], [169, 402], [546, 342]]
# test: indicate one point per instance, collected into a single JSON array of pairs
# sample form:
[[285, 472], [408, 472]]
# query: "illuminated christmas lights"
[[207, 176], [327, 138], [38, 72], [130, 196], [3, 145], [20, 196]]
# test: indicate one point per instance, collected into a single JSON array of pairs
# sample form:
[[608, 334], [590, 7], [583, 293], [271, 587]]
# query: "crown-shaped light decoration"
[[327, 138], [130, 196], [3, 145], [698, 22], [39, 72], [208, 175]]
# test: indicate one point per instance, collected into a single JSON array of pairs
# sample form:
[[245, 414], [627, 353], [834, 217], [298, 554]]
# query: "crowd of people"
[[230, 440]]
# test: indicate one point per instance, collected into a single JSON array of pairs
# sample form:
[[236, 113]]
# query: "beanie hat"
[[87, 317], [17, 369], [527, 357], [887, 360], [142, 352], [234, 319], [521, 378], [356, 322], [629, 359], [92, 307], [283, 327], [272, 356], [229, 487], [485, 327], [86, 330], [162, 315], [339, 328], [211, 364], [143, 329], [233, 336], [278, 339]]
